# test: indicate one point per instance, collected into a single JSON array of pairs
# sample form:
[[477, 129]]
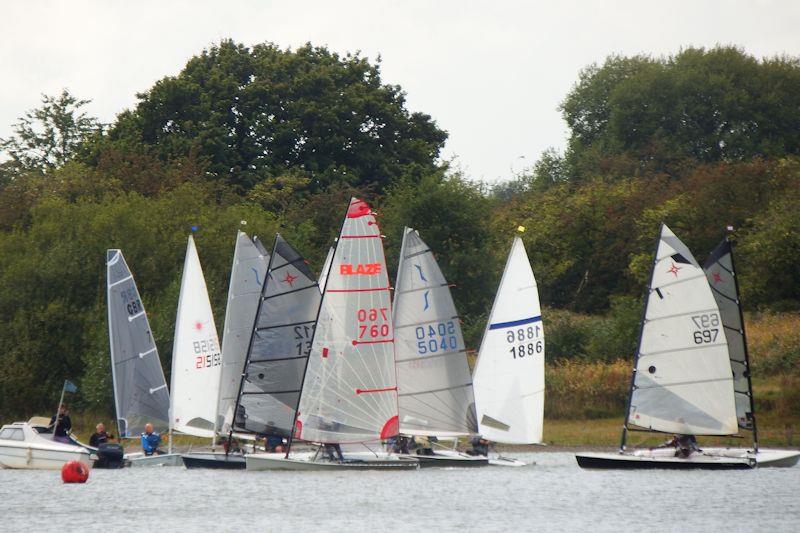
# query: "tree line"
[[269, 140]]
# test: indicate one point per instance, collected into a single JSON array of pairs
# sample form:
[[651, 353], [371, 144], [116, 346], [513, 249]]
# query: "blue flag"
[[70, 386]]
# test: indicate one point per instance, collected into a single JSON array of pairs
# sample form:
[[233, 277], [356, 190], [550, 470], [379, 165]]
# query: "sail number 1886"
[[525, 341]]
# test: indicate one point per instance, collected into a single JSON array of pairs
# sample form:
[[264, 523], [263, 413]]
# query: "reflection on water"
[[553, 495]]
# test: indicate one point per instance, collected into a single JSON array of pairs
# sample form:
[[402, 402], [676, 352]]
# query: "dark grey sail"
[[140, 390], [279, 345], [721, 275]]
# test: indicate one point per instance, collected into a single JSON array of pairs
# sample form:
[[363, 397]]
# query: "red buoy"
[[74, 472]]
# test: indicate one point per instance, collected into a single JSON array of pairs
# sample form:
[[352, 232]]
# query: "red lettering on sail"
[[369, 269]]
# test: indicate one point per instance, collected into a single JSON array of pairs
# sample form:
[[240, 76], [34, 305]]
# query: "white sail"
[[140, 390], [350, 392], [682, 378], [247, 276], [196, 357], [721, 275], [434, 385], [326, 267], [509, 373]]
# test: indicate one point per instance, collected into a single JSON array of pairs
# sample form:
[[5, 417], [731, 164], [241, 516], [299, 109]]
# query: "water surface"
[[552, 495]]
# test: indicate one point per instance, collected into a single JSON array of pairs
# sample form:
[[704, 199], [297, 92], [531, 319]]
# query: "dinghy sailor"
[[151, 440]]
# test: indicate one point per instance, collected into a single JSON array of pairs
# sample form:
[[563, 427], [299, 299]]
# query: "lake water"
[[552, 495]]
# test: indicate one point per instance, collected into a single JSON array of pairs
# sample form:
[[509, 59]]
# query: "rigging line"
[[425, 288], [726, 269], [686, 349], [436, 319], [123, 280], [270, 393], [312, 286], [732, 328], [678, 315], [682, 383], [444, 354], [293, 261], [265, 328], [454, 414]]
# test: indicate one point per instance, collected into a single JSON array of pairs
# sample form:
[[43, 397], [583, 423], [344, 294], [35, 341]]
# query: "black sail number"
[[707, 328], [525, 341]]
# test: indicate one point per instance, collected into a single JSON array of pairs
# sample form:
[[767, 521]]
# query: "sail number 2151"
[[525, 341]]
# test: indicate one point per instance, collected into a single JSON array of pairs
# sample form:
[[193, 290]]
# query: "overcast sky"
[[490, 73]]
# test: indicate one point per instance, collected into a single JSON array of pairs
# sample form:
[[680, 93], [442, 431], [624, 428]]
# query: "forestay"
[[509, 373], [196, 357], [140, 390], [721, 275], [682, 377], [434, 384], [279, 345], [350, 391], [244, 292]]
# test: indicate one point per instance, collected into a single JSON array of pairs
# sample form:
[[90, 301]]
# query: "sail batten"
[[682, 377], [509, 372], [140, 390], [196, 354]]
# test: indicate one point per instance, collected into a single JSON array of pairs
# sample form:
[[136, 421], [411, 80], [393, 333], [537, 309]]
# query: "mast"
[[647, 292]]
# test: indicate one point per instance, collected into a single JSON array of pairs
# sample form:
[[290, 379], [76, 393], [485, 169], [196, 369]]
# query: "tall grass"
[[586, 390]]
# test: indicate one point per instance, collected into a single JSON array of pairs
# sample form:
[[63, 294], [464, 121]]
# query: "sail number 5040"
[[707, 328], [525, 341]]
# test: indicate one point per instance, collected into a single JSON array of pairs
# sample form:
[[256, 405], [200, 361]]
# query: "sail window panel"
[[267, 414]]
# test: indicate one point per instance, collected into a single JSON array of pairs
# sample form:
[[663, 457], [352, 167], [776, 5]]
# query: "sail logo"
[[369, 269]]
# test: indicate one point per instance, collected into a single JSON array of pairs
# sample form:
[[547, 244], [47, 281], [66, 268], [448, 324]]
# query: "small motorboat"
[[22, 446]]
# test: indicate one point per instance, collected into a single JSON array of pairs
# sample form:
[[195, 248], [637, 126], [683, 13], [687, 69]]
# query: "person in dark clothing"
[[334, 452], [61, 424], [401, 445], [480, 447], [99, 436], [686, 445]]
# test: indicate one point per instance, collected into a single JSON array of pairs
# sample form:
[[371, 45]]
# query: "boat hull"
[[278, 461], [447, 459], [506, 461], [35, 457], [219, 461], [166, 459], [634, 461], [765, 458]]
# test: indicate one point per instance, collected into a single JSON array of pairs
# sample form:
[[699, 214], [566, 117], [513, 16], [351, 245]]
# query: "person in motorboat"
[[100, 436], [151, 440], [61, 424], [480, 447]]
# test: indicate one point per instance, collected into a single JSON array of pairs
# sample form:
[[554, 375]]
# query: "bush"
[[582, 390]]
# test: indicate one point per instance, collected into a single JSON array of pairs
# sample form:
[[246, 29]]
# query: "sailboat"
[[509, 372], [244, 292], [720, 272], [140, 390], [349, 391], [681, 382], [434, 385]]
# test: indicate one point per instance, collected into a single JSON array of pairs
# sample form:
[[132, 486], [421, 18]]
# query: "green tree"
[[48, 136], [258, 113]]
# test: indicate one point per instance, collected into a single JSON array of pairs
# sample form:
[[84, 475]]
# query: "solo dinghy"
[[140, 390], [434, 385], [721, 275], [509, 372], [244, 293], [681, 381], [349, 391]]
